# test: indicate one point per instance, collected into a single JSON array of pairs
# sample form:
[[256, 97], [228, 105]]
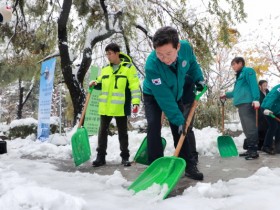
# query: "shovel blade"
[[80, 146], [164, 170], [227, 147], [142, 153]]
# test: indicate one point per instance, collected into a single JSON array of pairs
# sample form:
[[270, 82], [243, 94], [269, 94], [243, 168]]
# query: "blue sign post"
[[45, 98]]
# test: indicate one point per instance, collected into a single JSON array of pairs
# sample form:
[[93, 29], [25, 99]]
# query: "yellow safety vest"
[[118, 88]]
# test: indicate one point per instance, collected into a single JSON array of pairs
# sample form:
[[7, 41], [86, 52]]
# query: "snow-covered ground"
[[34, 183]]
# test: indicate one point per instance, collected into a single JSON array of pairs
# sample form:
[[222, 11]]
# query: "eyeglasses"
[[108, 53]]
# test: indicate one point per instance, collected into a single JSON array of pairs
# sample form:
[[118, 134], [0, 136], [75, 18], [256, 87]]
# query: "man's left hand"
[[256, 104], [200, 85], [135, 108]]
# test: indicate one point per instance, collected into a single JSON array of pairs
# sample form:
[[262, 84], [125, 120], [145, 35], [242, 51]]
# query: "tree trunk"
[[75, 88], [20, 104]]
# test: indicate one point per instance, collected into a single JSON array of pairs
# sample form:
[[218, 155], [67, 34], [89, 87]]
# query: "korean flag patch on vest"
[[156, 81]]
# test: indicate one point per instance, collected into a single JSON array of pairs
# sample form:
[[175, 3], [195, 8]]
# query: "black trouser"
[[190, 134], [103, 135], [262, 128], [155, 148], [247, 116], [272, 131]]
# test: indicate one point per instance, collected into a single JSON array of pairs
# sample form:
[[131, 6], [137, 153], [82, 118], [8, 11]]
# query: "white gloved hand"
[[267, 112], [5, 14], [256, 104]]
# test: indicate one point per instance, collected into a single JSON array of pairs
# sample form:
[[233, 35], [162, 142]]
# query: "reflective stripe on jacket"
[[119, 88]]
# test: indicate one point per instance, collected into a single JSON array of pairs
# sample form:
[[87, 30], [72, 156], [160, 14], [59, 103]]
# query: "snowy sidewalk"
[[214, 169]]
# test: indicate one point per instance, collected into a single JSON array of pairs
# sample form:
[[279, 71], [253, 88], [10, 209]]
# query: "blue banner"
[[45, 98]]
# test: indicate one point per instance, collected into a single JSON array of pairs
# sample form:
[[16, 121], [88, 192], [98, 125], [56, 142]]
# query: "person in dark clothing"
[[262, 124], [188, 98], [271, 106]]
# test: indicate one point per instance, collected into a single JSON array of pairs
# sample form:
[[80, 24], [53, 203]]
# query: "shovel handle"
[[273, 116], [85, 107], [188, 122], [162, 118], [257, 118], [223, 101], [223, 117]]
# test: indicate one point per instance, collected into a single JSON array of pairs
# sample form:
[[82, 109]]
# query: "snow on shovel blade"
[[164, 170], [227, 146], [80, 146]]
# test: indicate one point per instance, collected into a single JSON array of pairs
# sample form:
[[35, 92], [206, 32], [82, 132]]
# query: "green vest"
[[246, 88]]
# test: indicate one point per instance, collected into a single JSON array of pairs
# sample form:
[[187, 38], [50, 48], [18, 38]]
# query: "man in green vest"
[[246, 96], [166, 68], [119, 84]]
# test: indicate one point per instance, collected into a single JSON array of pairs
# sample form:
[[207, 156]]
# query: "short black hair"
[[238, 60], [262, 81], [166, 35], [113, 47]]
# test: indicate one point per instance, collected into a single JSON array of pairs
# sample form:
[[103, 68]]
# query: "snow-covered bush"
[[24, 127]]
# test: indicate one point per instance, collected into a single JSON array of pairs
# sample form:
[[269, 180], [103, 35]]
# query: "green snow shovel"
[[79, 141], [142, 153], [166, 171], [225, 143]]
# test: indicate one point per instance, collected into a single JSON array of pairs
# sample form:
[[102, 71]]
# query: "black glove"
[[200, 85], [182, 129]]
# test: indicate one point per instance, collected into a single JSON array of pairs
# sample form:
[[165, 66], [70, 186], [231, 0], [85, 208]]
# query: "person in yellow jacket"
[[119, 84]]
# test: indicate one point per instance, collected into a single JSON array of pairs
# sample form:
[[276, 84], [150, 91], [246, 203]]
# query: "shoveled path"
[[214, 168]]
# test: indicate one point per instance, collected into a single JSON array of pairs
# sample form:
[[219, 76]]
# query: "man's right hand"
[[267, 112], [182, 129], [92, 83], [223, 97]]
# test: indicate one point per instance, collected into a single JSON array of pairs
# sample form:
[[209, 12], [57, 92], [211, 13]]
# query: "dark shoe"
[[243, 154], [100, 161], [193, 173], [260, 144], [126, 162], [252, 156], [268, 151]]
